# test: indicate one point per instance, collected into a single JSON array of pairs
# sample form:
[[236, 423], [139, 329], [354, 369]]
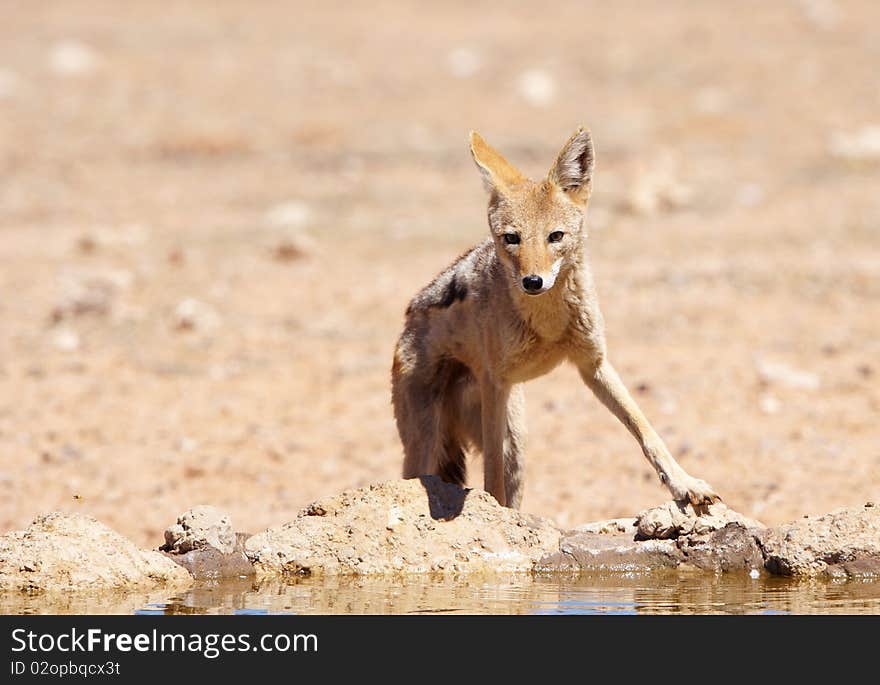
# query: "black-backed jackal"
[[507, 311]]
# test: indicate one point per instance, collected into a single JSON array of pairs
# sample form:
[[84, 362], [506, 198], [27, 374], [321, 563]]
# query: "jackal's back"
[[464, 278]]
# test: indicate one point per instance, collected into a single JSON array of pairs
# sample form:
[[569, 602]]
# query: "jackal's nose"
[[532, 284]]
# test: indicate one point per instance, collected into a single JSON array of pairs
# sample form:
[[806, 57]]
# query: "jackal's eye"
[[511, 238], [555, 237]]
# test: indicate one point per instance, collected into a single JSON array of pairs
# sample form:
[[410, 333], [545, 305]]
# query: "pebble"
[[9, 83], [72, 58], [770, 404], [192, 314], [463, 62], [862, 145], [294, 214], [537, 87], [66, 340], [783, 374]]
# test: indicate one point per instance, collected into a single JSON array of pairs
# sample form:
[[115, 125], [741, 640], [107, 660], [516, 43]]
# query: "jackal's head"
[[537, 227]]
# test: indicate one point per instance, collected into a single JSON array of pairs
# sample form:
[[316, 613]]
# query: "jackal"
[[508, 310]]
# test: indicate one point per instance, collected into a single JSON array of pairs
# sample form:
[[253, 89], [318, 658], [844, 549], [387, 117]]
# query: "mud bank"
[[426, 526]]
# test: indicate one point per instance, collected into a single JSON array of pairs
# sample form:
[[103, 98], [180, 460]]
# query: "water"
[[656, 593]]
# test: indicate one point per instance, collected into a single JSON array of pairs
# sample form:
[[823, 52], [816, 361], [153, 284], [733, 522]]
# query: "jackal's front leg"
[[493, 397], [607, 386]]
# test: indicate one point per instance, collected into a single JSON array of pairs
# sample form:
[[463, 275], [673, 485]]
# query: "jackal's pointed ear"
[[498, 174], [573, 171]]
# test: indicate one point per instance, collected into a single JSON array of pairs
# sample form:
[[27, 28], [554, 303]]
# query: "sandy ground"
[[213, 215]]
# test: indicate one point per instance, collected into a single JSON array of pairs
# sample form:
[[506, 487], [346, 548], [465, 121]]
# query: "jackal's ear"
[[498, 174], [573, 171]]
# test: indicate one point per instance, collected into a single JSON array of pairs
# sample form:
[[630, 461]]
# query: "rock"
[[657, 188], [293, 248], [674, 519], [463, 62], [92, 293], [844, 541], [291, 214], [66, 340], [204, 542], [537, 87], [862, 568], [777, 373], [823, 14], [435, 527], [195, 315], [70, 552], [200, 527], [72, 58], [609, 526], [735, 547], [770, 404], [750, 195], [669, 536], [209, 563], [9, 83], [587, 551], [859, 146]]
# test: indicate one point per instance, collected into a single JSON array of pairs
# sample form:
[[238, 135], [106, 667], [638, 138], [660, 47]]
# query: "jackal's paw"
[[693, 490]]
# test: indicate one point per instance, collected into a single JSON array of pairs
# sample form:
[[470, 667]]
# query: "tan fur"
[[474, 334]]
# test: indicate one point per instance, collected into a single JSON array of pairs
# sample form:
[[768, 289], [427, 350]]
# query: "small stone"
[[657, 188], [66, 340], [91, 293], [291, 214], [862, 145], [194, 315], [202, 526], [293, 248], [186, 444], [315, 509], [394, 518], [463, 62], [9, 83], [86, 244], [770, 404], [537, 87], [772, 372], [72, 58], [750, 195]]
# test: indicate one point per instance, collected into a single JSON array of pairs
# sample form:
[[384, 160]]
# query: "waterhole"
[[656, 593]]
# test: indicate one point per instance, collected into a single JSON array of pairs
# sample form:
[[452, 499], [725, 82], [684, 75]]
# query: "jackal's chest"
[[533, 359]]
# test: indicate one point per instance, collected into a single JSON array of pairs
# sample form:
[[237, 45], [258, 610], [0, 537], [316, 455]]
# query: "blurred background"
[[213, 215]]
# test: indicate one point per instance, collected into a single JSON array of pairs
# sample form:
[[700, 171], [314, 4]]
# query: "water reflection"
[[605, 594], [656, 593]]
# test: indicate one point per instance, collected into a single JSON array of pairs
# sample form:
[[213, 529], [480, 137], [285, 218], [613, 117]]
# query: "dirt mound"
[[426, 526], [407, 526], [60, 551]]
